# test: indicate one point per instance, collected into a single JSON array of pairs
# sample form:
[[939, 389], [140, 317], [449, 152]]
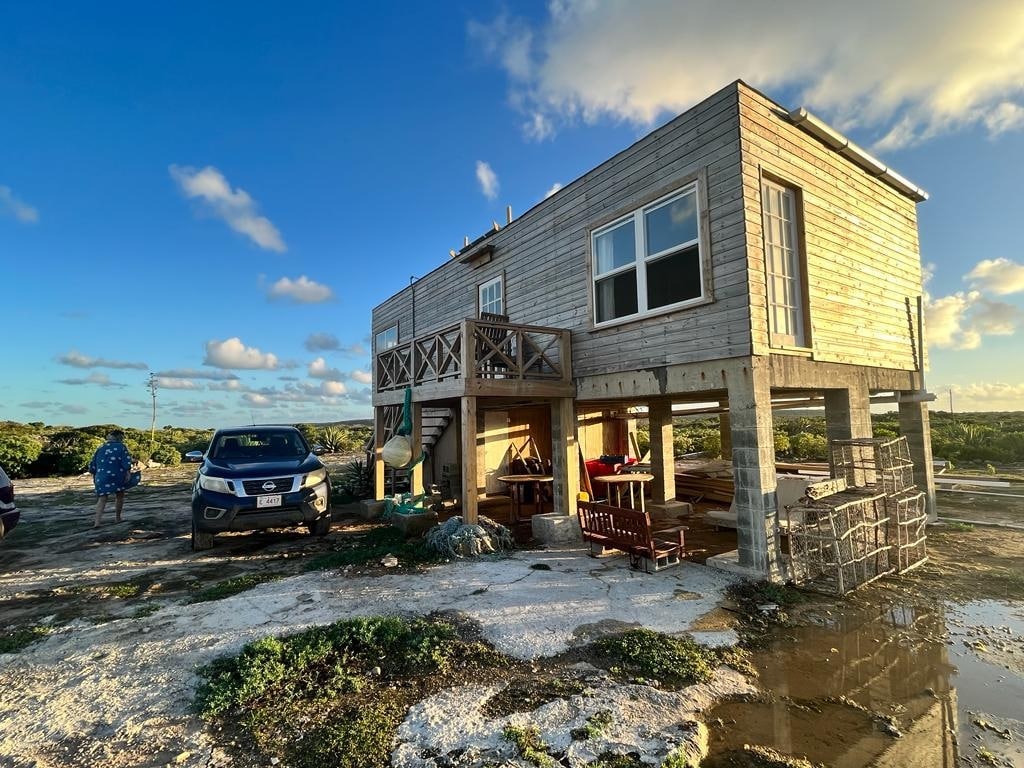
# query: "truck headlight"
[[314, 478], [217, 484]]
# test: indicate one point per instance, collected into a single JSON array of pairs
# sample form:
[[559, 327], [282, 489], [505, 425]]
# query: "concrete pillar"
[[725, 429], [378, 445], [468, 430], [753, 461], [915, 427], [565, 456], [848, 412], [663, 465], [416, 441]]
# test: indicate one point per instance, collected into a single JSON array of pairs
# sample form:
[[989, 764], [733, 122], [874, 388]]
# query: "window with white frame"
[[649, 261], [492, 296], [783, 266], [386, 339]]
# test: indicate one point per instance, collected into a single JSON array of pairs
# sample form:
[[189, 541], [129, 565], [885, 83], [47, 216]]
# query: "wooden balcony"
[[477, 358]]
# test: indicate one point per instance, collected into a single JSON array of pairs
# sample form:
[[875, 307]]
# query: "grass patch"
[[146, 610], [527, 694], [122, 590], [611, 760], [370, 547], [596, 724], [335, 695], [958, 527], [233, 586], [17, 640], [644, 655], [530, 746]]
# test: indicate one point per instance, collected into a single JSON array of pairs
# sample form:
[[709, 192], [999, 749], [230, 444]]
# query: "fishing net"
[[454, 539]]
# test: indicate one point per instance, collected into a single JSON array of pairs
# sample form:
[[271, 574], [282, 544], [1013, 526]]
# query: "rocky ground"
[[108, 628]]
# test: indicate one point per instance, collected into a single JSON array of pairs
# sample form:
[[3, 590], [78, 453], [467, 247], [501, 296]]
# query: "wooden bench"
[[629, 531]]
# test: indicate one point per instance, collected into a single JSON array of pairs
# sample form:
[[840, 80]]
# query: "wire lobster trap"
[[839, 542], [883, 464], [907, 537]]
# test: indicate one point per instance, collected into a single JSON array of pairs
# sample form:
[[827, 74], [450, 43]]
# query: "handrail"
[[477, 349]]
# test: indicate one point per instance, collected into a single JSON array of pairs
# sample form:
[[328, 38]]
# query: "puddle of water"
[[837, 684]]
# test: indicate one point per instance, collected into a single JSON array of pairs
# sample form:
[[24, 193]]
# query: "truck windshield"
[[259, 444]]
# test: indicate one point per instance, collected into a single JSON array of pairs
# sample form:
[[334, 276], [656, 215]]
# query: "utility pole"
[[152, 385]]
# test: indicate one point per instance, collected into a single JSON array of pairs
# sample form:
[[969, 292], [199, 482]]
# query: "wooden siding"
[[544, 254], [860, 243]]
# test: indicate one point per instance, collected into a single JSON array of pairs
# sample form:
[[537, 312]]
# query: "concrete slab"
[[370, 509], [556, 528], [414, 525]]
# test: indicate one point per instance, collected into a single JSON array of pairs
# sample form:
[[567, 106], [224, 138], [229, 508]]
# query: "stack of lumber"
[[705, 481]]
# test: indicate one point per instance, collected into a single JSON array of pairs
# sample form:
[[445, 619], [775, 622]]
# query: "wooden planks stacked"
[[703, 487]]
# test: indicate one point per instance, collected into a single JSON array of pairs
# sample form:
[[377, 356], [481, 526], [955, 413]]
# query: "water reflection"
[[839, 685]]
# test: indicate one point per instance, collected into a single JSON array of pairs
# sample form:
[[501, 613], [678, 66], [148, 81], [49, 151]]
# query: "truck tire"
[[200, 539], [321, 526]]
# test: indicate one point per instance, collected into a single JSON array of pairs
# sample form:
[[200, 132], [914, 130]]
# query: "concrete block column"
[[565, 456], [848, 412], [753, 461], [663, 466], [915, 427]]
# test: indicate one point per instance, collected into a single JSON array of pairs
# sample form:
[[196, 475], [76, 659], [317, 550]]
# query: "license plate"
[[268, 501]]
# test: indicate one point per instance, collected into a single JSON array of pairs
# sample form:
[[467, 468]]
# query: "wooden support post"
[[663, 465], [725, 430], [468, 429], [753, 461], [378, 445], [416, 441], [565, 455]]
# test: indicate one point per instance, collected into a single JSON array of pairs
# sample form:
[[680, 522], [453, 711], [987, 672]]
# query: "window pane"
[[387, 339], [616, 296], [672, 224], [615, 248], [674, 278]]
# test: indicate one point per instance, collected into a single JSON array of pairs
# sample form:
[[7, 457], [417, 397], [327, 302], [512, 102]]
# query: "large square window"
[[649, 261]]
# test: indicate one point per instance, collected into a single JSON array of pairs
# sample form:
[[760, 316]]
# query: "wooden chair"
[[495, 367]]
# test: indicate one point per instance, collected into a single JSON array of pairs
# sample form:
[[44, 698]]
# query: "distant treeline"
[[959, 438], [38, 450]]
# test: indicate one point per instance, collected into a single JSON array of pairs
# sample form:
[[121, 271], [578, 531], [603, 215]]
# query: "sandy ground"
[[113, 684]]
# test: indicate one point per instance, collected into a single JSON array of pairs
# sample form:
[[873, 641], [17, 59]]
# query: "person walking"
[[111, 469]]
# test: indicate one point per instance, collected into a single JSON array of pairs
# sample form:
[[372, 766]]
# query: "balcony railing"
[[479, 350]]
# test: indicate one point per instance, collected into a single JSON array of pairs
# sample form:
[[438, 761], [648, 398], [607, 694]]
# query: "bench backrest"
[[628, 527]]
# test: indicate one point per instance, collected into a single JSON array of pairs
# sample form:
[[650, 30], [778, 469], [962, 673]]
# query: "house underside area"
[[473, 427]]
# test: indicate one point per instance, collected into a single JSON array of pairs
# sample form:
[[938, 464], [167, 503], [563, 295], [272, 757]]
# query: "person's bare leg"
[[118, 506], [101, 502]]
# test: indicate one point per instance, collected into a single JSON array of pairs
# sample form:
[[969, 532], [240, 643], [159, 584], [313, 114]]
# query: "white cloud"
[[363, 377], [99, 379], [322, 342], [232, 353], [554, 188], [488, 180], [168, 383], [318, 369], [234, 206], [998, 276], [983, 396], [18, 209], [257, 400], [904, 73], [333, 388], [301, 290], [962, 319], [195, 373], [77, 360]]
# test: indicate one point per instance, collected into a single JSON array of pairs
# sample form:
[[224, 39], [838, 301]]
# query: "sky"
[[219, 193]]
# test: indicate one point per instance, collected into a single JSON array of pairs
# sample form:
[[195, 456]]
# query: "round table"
[[517, 482], [617, 481]]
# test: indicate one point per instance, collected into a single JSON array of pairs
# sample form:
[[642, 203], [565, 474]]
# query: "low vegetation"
[[16, 640], [334, 695], [645, 656], [371, 547], [529, 745], [233, 586]]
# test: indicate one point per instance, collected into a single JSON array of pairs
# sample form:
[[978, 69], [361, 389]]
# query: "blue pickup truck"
[[259, 477]]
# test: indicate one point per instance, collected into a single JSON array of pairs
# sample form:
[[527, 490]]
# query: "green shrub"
[[646, 654], [357, 480], [782, 443], [68, 452], [166, 454], [806, 445], [712, 444], [18, 453]]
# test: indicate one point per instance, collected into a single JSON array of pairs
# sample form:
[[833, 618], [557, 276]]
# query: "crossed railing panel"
[[495, 351]]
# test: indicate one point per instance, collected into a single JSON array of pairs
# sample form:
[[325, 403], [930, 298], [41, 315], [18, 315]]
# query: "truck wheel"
[[200, 539], [321, 526]]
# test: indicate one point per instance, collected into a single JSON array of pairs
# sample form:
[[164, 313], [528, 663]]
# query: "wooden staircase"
[[434, 423]]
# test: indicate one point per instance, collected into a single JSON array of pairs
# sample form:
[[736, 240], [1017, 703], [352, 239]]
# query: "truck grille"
[[256, 487]]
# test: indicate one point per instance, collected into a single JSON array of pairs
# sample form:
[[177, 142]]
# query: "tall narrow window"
[[784, 267], [492, 297]]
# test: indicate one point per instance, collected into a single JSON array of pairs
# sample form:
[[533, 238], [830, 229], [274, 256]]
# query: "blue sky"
[[221, 192]]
